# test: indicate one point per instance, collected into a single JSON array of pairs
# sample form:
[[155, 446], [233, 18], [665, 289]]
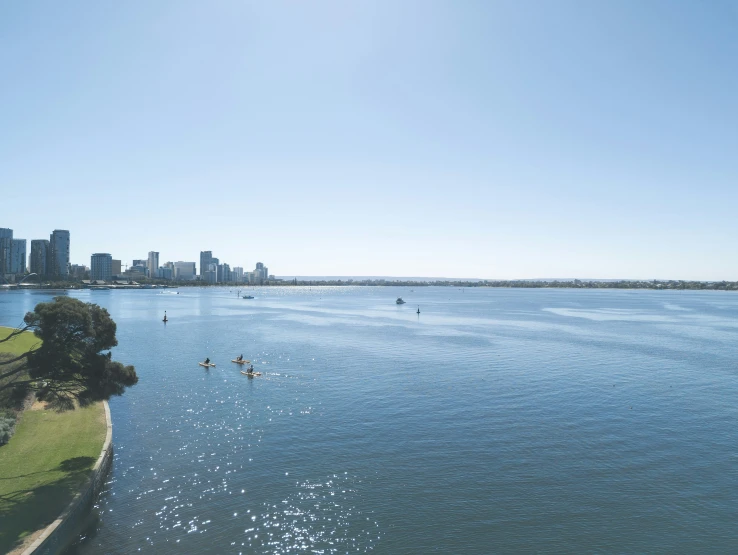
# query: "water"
[[498, 420]]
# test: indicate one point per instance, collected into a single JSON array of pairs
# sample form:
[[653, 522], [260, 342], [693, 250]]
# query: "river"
[[496, 420]]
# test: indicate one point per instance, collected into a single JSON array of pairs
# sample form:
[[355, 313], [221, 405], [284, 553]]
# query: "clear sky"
[[488, 139]]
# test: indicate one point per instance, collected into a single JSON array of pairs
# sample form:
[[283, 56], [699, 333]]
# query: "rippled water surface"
[[497, 420]]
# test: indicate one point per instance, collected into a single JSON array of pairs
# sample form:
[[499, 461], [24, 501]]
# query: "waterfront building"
[[18, 257], [140, 263], [39, 256], [116, 268], [78, 271], [223, 273], [214, 263], [101, 267], [237, 274], [211, 274], [134, 273], [259, 275], [153, 264], [184, 271], [166, 272], [6, 244], [206, 258], [59, 246]]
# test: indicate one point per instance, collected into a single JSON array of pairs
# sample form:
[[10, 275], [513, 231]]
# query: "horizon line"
[[428, 278]]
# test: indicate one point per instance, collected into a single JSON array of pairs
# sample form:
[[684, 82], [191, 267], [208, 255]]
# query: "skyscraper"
[[39, 256], [153, 264], [206, 258], [18, 257], [59, 245], [210, 274], [101, 266], [6, 244]]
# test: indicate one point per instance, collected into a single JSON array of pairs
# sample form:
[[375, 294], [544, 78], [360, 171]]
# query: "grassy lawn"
[[17, 345], [43, 465]]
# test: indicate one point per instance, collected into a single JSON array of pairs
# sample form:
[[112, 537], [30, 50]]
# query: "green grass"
[[44, 463], [18, 345], [11, 399]]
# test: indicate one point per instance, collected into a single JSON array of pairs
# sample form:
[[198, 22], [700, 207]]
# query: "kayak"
[[241, 361], [250, 373], [206, 365]]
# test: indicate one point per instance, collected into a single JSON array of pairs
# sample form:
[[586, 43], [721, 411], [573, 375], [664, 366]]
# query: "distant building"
[[259, 275], [134, 273], [214, 263], [39, 256], [166, 272], [78, 271], [237, 274], [101, 267], [211, 274], [59, 246], [206, 258], [6, 245], [116, 268], [140, 263], [184, 271], [18, 257], [153, 264], [224, 273]]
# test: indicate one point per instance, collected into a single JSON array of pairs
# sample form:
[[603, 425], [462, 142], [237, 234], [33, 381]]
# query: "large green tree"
[[72, 361]]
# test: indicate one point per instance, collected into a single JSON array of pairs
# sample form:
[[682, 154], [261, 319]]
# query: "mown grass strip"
[[19, 344], [45, 462]]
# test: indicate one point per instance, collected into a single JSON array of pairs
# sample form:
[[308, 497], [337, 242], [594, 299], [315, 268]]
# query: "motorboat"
[[399, 300], [248, 297]]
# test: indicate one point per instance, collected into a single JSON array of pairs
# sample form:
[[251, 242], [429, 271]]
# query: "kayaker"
[[251, 369], [207, 361], [240, 358]]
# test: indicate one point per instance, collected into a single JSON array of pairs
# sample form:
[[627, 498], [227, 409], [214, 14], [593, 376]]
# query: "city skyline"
[[481, 139], [51, 258]]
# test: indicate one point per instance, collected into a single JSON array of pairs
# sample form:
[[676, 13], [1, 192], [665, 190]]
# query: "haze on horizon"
[[494, 140]]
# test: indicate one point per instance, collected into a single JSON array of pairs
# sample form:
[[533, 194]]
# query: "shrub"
[[7, 426]]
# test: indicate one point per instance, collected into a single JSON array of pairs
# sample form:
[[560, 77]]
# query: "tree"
[[70, 363]]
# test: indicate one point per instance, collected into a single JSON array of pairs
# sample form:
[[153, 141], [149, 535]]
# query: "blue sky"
[[485, 139]]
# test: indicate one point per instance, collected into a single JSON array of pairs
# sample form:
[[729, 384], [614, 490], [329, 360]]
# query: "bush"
[[7, 426]]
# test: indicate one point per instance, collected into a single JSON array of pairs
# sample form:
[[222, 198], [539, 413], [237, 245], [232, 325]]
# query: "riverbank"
[[46, 462], [657, 285]]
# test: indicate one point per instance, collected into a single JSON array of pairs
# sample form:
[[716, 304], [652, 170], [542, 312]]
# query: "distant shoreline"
[[669, 285]]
